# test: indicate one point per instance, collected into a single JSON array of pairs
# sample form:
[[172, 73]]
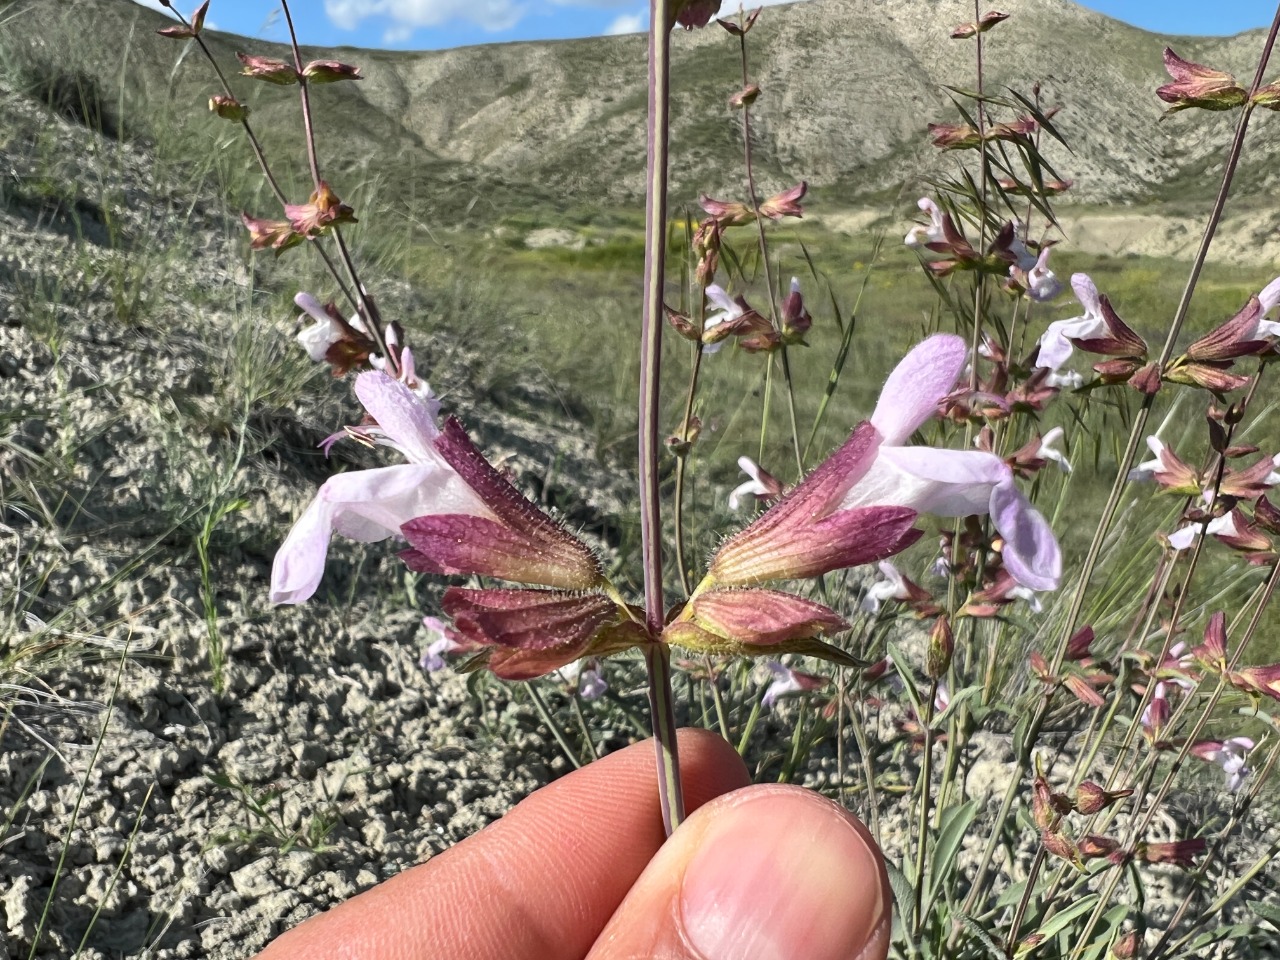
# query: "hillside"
[[848, 86]]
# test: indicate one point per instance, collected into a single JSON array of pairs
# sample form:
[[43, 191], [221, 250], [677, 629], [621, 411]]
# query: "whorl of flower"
[[1098, 330], [955, 136], [530, 633], [1195, 85], [735, 318], [795, 318], [458, 513], [322, 210], [745, 97], [228, 108], [984, 23], [858, 505], [330, 71], [1230, 754], [1093, 798], [923, 234], [893, 585], [786, 203], [726, 213], [1173, 474], [344, 344], [277, 235]]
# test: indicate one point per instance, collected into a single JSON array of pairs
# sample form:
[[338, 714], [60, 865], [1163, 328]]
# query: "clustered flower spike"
[[1024, 271]]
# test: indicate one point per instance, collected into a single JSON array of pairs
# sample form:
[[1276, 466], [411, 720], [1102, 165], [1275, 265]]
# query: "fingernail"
[[783, 874]]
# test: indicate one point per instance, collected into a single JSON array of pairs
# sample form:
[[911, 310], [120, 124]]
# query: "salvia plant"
[[1103, 688]]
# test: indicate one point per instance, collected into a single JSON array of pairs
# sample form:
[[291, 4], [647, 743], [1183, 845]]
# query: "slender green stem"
[[682, 458], [657, 655], [922, 822]]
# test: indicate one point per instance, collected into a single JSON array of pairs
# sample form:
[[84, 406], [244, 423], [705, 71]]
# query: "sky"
[[436, 24]]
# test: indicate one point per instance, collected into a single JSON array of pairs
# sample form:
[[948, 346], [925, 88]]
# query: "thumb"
[[763, 873]]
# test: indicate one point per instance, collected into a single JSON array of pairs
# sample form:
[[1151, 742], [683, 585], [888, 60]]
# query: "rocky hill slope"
[[848, 86]]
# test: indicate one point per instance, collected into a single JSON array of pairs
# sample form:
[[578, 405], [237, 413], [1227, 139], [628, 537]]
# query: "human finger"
[[764, 873], [540, 883]]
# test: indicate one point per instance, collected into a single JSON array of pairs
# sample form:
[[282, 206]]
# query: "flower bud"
[[268, 69], [1195, 85], [1091, 797], [1126, 947], [330, 71], [941, 645], [785, 204], [228, 108]]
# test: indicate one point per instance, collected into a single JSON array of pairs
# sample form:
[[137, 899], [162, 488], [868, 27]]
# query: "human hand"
[[580, 869]]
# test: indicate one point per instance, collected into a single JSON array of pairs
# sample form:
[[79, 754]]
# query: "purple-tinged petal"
[[1087, 293], [536, 620], [453, 544], [916, 385], [1031, 551], [403, 417], [513, 511], [760, 617]]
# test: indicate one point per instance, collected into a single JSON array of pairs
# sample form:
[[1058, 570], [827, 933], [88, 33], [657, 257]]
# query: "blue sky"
[[431, 24]]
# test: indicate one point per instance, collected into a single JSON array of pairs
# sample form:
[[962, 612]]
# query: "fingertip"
[[767, 872]]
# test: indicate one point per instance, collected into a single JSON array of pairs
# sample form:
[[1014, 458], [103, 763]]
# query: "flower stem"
[[657, 656]]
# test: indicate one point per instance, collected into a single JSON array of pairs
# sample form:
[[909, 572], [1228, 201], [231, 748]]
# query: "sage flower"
[[458, 513]]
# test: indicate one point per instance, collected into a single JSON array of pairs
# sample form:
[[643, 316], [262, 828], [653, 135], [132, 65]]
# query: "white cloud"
[[627, 23], [155, 5], [409, 15]]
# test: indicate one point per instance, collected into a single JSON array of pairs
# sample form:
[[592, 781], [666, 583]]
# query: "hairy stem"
[[657, 655]]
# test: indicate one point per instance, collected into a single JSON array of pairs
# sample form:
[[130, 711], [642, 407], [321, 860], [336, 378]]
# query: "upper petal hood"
[[403, 417], [916, 385]]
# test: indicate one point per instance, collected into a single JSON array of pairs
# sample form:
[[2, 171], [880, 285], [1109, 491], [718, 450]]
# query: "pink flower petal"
[[911, 394], [1031, 552]]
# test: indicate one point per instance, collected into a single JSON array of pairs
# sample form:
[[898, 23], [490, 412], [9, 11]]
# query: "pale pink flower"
[[761, 487], [1055, 342], [788, 683], [932, 232], [950, 483], [1230, 754]]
